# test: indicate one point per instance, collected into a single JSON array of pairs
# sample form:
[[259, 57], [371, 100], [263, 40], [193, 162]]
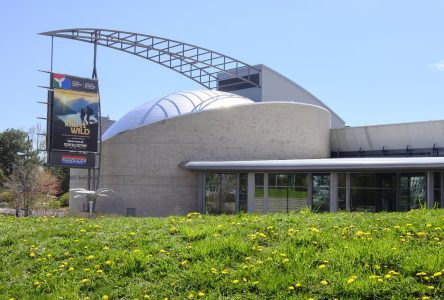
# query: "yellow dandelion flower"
[[351, 280], [421, 274], [32, 254], [235, 281], [82, 230], [224, 272], [430, 287], [425, 298], [190, 296], [380, 280], [387, 276], [291, 288], [146, 296], [244, 279], [108, 262], [201, 294], [437, 274], [106, 248], [162, 251], [255, 283], [286, 260], [429, 225], [426, 278], [324, 282], [86, 269], [105, 297], [71, 269], [132, 233], [36, 283], [99, 271], [90, 257], [85, 280], [322, 266]]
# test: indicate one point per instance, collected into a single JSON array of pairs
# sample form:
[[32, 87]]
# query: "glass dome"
[[173, 105]]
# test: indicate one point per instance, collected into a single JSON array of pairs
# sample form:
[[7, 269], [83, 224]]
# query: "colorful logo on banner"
[[59, 81], [73, 160]]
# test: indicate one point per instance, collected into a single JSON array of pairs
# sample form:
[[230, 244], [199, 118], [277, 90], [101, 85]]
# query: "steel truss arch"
[[206, 67]]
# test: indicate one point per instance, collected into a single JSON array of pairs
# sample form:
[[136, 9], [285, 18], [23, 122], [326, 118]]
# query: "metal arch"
[[199, 64]]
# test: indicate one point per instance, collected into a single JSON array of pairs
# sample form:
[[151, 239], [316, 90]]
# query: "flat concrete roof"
[[386, 164]]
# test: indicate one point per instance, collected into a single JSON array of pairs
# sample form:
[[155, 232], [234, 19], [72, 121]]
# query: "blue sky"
[[373, 62]]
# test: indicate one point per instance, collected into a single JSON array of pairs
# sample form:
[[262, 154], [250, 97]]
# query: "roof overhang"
[[386, 164]]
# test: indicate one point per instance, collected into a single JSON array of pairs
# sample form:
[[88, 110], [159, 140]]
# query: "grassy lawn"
[[301, 256]]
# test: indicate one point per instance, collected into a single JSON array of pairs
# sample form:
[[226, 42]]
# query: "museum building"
[[251, 141], [271, 149]]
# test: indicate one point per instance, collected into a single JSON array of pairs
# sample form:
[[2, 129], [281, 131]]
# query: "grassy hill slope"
[[301, 255]]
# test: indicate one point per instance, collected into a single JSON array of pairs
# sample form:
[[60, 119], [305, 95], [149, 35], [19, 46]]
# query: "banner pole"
[[52, 51]]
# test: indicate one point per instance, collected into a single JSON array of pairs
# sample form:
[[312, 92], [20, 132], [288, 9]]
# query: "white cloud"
[[439, 66]]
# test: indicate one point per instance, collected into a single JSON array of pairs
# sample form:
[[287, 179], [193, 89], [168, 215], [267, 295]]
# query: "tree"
[[62, 174], [32, 185], [13, 143]]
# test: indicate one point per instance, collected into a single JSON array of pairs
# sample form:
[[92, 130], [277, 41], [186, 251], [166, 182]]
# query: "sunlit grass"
[[301, 255]]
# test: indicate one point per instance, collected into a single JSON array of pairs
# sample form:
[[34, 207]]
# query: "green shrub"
[[64, 200], [54, 204], [7, 197]]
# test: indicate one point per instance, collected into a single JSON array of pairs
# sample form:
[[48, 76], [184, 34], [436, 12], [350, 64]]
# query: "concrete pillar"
[[251, 185], [347, 192], [265, 193], [333, 192], [430, 194], [310, 190], [201, 192]]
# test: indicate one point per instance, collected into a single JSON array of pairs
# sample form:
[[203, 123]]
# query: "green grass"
[[301, 255]]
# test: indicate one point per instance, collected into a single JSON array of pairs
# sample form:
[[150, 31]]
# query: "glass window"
[[243, 192], [412, 191], [259, 179], [259, 200], [277, 199], [321, 192], [373, 192], [287, 192], [220, 193], [341, 180], [341, 198]]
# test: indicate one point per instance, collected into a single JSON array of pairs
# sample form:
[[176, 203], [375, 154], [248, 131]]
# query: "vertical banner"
[[75, 114]]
